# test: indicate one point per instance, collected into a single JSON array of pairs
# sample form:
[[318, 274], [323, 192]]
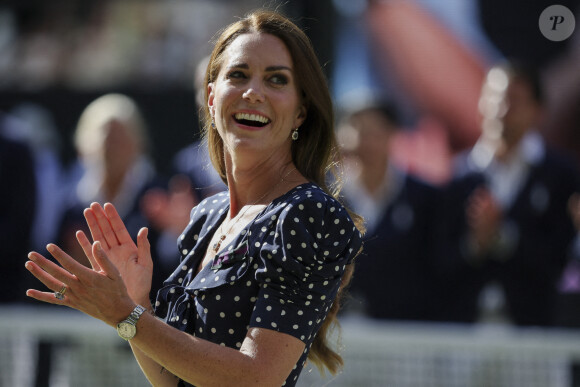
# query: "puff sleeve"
[[301, 263]]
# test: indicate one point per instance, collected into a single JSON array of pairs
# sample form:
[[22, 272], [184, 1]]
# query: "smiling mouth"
[[254, 120]]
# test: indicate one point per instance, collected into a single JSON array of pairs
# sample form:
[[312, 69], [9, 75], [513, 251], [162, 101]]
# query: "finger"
[[87, 249], [43, 276], [93, 224], [117, 224], [109, 235], [75, 269], [44, 297], [103, 261], [143, 245], [46, 265]]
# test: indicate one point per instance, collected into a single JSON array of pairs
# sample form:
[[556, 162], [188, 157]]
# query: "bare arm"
[[155, 373]]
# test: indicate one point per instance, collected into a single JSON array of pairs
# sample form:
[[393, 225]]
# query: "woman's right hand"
[[133, 262]]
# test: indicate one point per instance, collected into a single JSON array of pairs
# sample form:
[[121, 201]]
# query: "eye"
[[235, 74], [279, 79]]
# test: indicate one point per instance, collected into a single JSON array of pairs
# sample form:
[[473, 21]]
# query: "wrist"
[[127, 328], [146, 303], [141, 297], [120, 312]]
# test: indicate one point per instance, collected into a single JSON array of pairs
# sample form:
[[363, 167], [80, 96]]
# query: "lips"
[[251, 119]]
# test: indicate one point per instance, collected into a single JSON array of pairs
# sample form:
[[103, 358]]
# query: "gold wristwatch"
[[127, 329]]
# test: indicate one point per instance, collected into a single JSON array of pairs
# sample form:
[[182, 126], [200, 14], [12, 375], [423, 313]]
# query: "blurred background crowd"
[[464, 168]]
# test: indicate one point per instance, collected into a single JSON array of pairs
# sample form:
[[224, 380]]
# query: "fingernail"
[[50, 248]]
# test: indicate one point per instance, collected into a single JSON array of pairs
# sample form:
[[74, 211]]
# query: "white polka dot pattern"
[[282, 273]]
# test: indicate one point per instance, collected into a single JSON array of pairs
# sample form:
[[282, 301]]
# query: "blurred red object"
[[424, 151], [441, 75]]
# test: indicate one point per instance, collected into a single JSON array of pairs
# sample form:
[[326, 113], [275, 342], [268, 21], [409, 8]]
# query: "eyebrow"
[[269, 68]]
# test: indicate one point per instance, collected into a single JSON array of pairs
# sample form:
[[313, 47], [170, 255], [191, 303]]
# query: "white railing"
[[57, 347]]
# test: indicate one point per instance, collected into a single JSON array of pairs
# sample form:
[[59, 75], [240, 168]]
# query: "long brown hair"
[[314, 154]]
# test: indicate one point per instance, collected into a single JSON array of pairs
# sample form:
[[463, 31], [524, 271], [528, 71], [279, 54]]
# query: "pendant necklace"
[[216, 246]]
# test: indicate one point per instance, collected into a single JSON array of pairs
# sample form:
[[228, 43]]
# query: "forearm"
[[192, 359], [265, 358], [157, 375]]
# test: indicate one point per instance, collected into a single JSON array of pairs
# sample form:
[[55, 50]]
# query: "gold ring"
[[60, 294]]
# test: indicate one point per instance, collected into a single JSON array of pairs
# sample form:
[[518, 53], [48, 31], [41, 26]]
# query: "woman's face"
[[374, 135], [119, 147], [254, 100]]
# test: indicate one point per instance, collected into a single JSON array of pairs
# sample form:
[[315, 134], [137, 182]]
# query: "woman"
[[261, 263]]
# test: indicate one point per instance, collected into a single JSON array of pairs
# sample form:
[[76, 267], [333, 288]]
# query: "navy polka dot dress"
[[282, 272]]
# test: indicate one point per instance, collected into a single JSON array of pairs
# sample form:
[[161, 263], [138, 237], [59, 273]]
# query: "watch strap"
[[135, 314]]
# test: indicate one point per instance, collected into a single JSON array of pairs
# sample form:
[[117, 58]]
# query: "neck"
[[373, 177], [112, 186], [259, 183]]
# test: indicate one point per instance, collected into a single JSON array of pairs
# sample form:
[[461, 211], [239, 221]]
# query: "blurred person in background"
[[505, 228], [32, 126], [192, 179], [38, 129], [112, 143], [263, 265], [17, 210], [393, 277], [193, 161], [567, 311]]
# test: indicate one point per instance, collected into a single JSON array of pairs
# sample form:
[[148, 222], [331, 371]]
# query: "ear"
[[301, 117], [210, 98]]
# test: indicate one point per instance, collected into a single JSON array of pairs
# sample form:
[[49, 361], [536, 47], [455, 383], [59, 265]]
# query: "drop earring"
[[295, 134], [212, 124]]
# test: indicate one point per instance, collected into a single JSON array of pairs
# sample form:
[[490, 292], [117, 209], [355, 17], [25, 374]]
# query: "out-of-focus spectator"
[[193, 161], [192, 179], [17, 208], [37, 129], [567, 311], [112, 143], [505, 228], [393, 275]]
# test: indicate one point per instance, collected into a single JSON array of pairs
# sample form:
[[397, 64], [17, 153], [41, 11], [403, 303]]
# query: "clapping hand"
[[98, 292], [120, 273], [483, 217], [133, 261]]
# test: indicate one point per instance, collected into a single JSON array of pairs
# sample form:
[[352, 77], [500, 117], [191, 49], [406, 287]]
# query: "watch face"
[[126, 330]]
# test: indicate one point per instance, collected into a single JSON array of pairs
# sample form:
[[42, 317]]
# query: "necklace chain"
[[216, 246]]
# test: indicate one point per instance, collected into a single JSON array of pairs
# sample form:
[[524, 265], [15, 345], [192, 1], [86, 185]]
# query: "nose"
[[253, 94]]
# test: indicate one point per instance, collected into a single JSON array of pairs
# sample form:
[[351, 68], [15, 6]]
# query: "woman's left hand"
[[98, 292]]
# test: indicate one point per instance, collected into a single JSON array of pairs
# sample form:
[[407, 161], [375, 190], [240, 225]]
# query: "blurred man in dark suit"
[[393, 277], [505, 229]]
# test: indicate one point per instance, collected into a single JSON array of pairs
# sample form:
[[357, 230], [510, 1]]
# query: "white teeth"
[[251, 117]]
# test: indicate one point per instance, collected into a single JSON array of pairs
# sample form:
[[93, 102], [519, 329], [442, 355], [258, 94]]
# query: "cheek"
[[222, 100], [288, 108]]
